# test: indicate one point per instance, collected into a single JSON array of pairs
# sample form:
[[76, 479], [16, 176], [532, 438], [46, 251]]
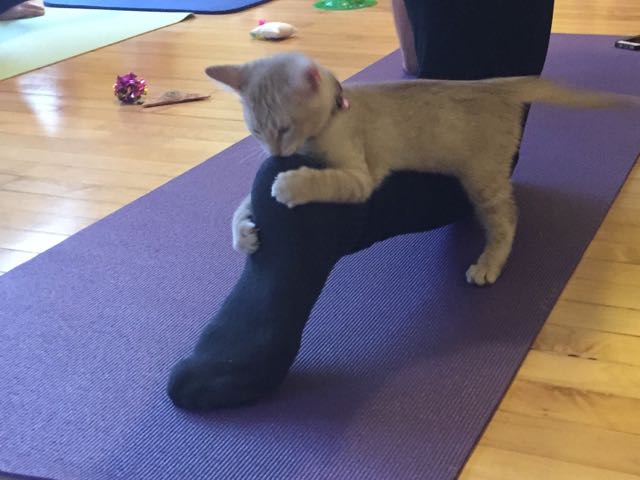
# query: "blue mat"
[[193, 6]]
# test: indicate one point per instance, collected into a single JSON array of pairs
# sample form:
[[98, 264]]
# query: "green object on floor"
[[62, 33], [344, 4]]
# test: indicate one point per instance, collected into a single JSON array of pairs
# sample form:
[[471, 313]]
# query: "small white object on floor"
[[273, 31]]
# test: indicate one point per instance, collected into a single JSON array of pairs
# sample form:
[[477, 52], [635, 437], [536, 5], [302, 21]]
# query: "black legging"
[[248, 346], [474, 39]]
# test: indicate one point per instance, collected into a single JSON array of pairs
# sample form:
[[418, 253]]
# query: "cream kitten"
[[470, 130]]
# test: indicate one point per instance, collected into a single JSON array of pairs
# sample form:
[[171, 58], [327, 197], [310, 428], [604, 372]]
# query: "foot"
[[236, 363], [201, 384], [23, 10]]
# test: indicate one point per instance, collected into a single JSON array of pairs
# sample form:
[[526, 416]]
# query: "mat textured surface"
[[193, 6], [402, 363], [67, 33]]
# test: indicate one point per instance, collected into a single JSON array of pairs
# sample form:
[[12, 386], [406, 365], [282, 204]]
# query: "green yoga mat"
[[63, 33]]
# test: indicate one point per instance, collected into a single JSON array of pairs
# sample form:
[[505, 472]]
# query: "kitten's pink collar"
[[341, 102]]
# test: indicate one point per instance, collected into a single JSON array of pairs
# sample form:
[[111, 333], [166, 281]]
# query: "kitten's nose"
[[287, 152], [276, 149]]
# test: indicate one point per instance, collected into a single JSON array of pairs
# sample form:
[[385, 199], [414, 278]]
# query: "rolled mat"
[[193, 6], [402, 363]]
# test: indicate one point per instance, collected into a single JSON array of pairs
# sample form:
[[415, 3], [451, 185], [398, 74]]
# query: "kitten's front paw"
[[481, 274], [245, 237], [292, 188]]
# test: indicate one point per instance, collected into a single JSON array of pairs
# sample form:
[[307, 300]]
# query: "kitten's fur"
[[470, 130]]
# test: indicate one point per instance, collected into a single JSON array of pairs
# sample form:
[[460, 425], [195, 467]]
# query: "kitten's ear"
[[305, 75], [230, 75], [312, 77]]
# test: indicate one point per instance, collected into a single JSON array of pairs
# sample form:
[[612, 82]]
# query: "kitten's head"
[[286, 99]]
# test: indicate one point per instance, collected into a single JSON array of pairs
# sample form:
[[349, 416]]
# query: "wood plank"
[[56, 205], [77, 190], [489, 463], [583, 374], [595, 409], [26, 241], [564, 441], [589, 344], [63, 175], [622, 233], [43, 222], [597, 317], [9, 259], [5, 178], [624, 215], [608, 271], [628, 200], [614, 251], [601, 292], [13, 159]]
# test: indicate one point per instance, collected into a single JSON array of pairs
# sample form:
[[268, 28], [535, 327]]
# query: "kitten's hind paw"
[[480, 274], [245, 237]]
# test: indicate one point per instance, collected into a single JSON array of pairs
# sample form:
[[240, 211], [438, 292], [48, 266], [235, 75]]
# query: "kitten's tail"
[[535, 89]]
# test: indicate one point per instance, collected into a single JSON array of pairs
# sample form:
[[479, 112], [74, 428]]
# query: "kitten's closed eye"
[[283, 130]]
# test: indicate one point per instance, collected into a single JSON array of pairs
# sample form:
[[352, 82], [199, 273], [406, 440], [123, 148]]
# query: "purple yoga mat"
[[402, 363]]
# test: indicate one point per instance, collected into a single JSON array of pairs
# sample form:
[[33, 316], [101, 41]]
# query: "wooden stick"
[[175, 96]]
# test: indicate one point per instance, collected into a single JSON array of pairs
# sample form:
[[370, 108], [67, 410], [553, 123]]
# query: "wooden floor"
[[69, 155]]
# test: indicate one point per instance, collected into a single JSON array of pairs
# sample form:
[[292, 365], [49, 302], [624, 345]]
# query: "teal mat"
[[63, 33]]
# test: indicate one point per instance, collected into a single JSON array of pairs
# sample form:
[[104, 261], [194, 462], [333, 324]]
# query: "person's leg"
[[17, 9], [249, 345], [405, 36], [247, 348], [471, 40]]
